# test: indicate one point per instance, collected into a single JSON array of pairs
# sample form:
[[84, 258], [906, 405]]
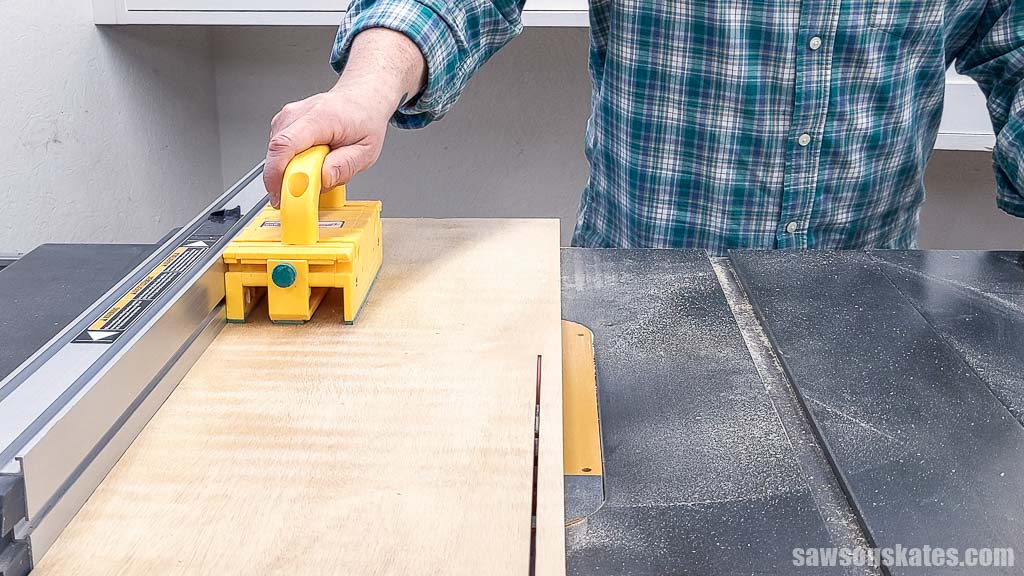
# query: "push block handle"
[[300, 197], [301, 200], [333, 199]]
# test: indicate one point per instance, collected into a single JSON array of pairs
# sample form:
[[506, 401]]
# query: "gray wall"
[[107, 134], [513, 144], [960, 211]]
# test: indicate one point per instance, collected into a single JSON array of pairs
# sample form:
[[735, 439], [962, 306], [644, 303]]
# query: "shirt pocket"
[[909, 19]]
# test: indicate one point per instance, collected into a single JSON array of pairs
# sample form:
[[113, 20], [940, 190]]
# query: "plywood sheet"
[[403, 444]]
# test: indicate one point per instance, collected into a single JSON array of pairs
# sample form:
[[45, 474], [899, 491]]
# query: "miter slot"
[[882, 360]]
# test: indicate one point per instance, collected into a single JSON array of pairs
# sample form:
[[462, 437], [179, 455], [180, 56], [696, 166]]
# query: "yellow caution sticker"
[[133, 305]]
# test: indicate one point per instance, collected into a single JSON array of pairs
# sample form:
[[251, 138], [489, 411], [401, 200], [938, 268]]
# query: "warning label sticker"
[[323, 224], [133, 305], [119, 317]]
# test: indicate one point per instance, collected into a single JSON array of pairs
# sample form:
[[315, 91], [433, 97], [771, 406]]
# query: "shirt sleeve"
[[994, 57], [456, 37]]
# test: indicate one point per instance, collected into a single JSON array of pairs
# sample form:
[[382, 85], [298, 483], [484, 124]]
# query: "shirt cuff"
[[1008, 158], [429, 31]]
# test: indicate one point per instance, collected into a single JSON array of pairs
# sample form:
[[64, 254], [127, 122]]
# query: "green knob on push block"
[[283, 275]]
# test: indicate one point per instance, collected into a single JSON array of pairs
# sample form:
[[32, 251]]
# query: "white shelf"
[[965, 122]]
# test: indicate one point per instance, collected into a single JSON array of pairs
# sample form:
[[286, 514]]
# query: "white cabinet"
[[292, 12], [965, 123]]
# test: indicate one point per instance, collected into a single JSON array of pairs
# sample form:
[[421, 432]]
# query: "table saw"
[[750, 406]]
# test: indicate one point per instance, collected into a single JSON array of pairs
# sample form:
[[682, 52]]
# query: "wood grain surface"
[[403, 444]]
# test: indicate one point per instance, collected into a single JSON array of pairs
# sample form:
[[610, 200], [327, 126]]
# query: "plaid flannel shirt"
[[737, 123]]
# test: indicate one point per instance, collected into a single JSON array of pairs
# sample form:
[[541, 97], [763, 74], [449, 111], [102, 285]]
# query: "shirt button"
[[791, 227], [815, 43], [804, 139]]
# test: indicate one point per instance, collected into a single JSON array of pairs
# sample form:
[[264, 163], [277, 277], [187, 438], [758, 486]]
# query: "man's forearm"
[[386, 62]]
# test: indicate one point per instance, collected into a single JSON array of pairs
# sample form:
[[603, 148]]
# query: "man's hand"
[[350, 121], [383, 70]]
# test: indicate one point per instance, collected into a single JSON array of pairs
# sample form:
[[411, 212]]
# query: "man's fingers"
[[301, 135], [353, 130], [344, 163], [288, 115]]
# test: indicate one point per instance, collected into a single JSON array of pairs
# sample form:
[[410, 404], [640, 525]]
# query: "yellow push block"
[[315, 242]]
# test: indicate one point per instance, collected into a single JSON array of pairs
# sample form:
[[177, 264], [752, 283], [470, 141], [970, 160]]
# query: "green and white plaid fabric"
[[748, 123]]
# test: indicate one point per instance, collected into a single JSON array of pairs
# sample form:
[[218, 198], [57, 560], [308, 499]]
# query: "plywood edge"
[[550, 532]]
